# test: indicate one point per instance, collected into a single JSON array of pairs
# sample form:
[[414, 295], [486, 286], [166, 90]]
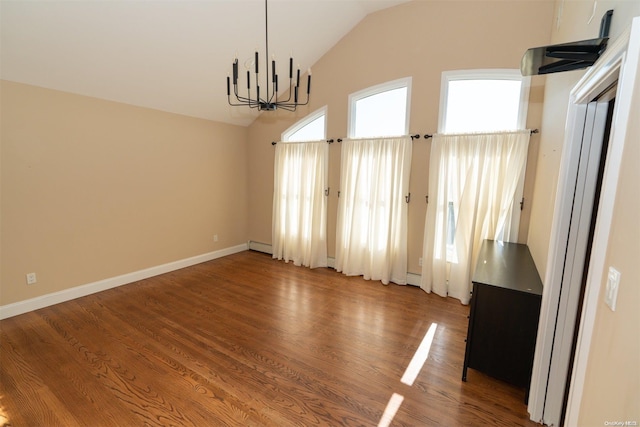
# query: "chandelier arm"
[[290, 89], [240, 104], [294, 104], [239, 97], [244, 100]]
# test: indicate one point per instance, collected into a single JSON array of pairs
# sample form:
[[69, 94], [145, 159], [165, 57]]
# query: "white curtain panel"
[[472, 185], [371, 236], [299, 231]]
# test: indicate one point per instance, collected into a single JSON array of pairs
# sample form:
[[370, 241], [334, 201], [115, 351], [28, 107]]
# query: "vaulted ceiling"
[[170, 55]]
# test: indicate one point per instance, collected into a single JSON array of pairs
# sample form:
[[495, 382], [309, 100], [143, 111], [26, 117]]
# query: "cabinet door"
[[504, 333]]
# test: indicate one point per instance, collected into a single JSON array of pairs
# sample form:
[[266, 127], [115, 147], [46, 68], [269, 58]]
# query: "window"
[[371, 231], [300, 203], [299, 200], [483, 101], [311, 128], [380, 111], [371, 237]]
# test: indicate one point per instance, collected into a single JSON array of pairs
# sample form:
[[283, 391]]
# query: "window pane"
[[451, 224], [312, 131], [482, 105], [382, 114]]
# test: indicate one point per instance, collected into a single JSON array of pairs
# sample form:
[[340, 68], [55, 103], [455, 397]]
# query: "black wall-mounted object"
[[567, 56]]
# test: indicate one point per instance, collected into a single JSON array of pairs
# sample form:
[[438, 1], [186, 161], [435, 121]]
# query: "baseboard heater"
[[413, 279]]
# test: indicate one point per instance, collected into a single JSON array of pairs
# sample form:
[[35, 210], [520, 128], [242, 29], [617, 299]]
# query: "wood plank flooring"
[[246, 341]]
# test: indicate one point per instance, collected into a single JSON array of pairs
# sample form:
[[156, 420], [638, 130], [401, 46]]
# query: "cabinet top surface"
[[507, 265]]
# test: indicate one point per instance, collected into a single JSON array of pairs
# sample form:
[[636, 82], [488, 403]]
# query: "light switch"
[[611, 291]]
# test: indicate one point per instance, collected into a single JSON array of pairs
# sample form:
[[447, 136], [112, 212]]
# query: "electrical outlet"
[[31, 278], [420, 262], [215, 237]]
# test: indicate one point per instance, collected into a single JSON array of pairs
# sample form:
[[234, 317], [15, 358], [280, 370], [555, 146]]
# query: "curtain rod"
[[531, 131], [414, 136], [331, 140]]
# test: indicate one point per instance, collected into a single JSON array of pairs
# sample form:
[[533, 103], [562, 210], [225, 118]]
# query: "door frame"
[[619, 63]]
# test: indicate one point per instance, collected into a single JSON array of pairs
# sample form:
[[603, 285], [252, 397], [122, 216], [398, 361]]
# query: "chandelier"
[[268, 99]]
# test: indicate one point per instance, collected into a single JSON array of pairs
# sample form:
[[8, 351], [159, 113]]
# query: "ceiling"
[[170, 55]]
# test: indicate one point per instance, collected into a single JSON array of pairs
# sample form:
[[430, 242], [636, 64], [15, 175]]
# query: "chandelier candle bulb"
[[298, 78], [256, 62], [290, 68], [235, 72], [248, 80]]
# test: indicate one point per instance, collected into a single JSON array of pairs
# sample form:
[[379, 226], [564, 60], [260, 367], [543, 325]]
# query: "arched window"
[[380, 111], [300, 198], [371, 237], [311, 128]]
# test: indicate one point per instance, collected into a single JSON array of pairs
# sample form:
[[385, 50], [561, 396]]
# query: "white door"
[[587, 187]]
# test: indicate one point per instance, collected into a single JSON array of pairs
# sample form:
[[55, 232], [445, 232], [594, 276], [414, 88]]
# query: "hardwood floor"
[[246, 341]]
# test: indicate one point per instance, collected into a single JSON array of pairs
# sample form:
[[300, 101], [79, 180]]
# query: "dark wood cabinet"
[[505, 308]]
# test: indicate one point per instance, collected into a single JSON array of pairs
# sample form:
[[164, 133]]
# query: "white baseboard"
[[412, 278], [25, 306]]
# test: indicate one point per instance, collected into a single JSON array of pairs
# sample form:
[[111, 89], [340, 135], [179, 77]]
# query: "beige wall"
[[612, 385], [418, 39], [570, 23], [93, 189]]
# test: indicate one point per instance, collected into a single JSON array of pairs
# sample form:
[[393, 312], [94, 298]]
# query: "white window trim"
[[284, 137], [373, 90], [485, 74]]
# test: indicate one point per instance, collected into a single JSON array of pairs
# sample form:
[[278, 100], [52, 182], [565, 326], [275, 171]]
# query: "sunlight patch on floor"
[[410, 374], [4, 418], [390, 411], [419, 357]]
